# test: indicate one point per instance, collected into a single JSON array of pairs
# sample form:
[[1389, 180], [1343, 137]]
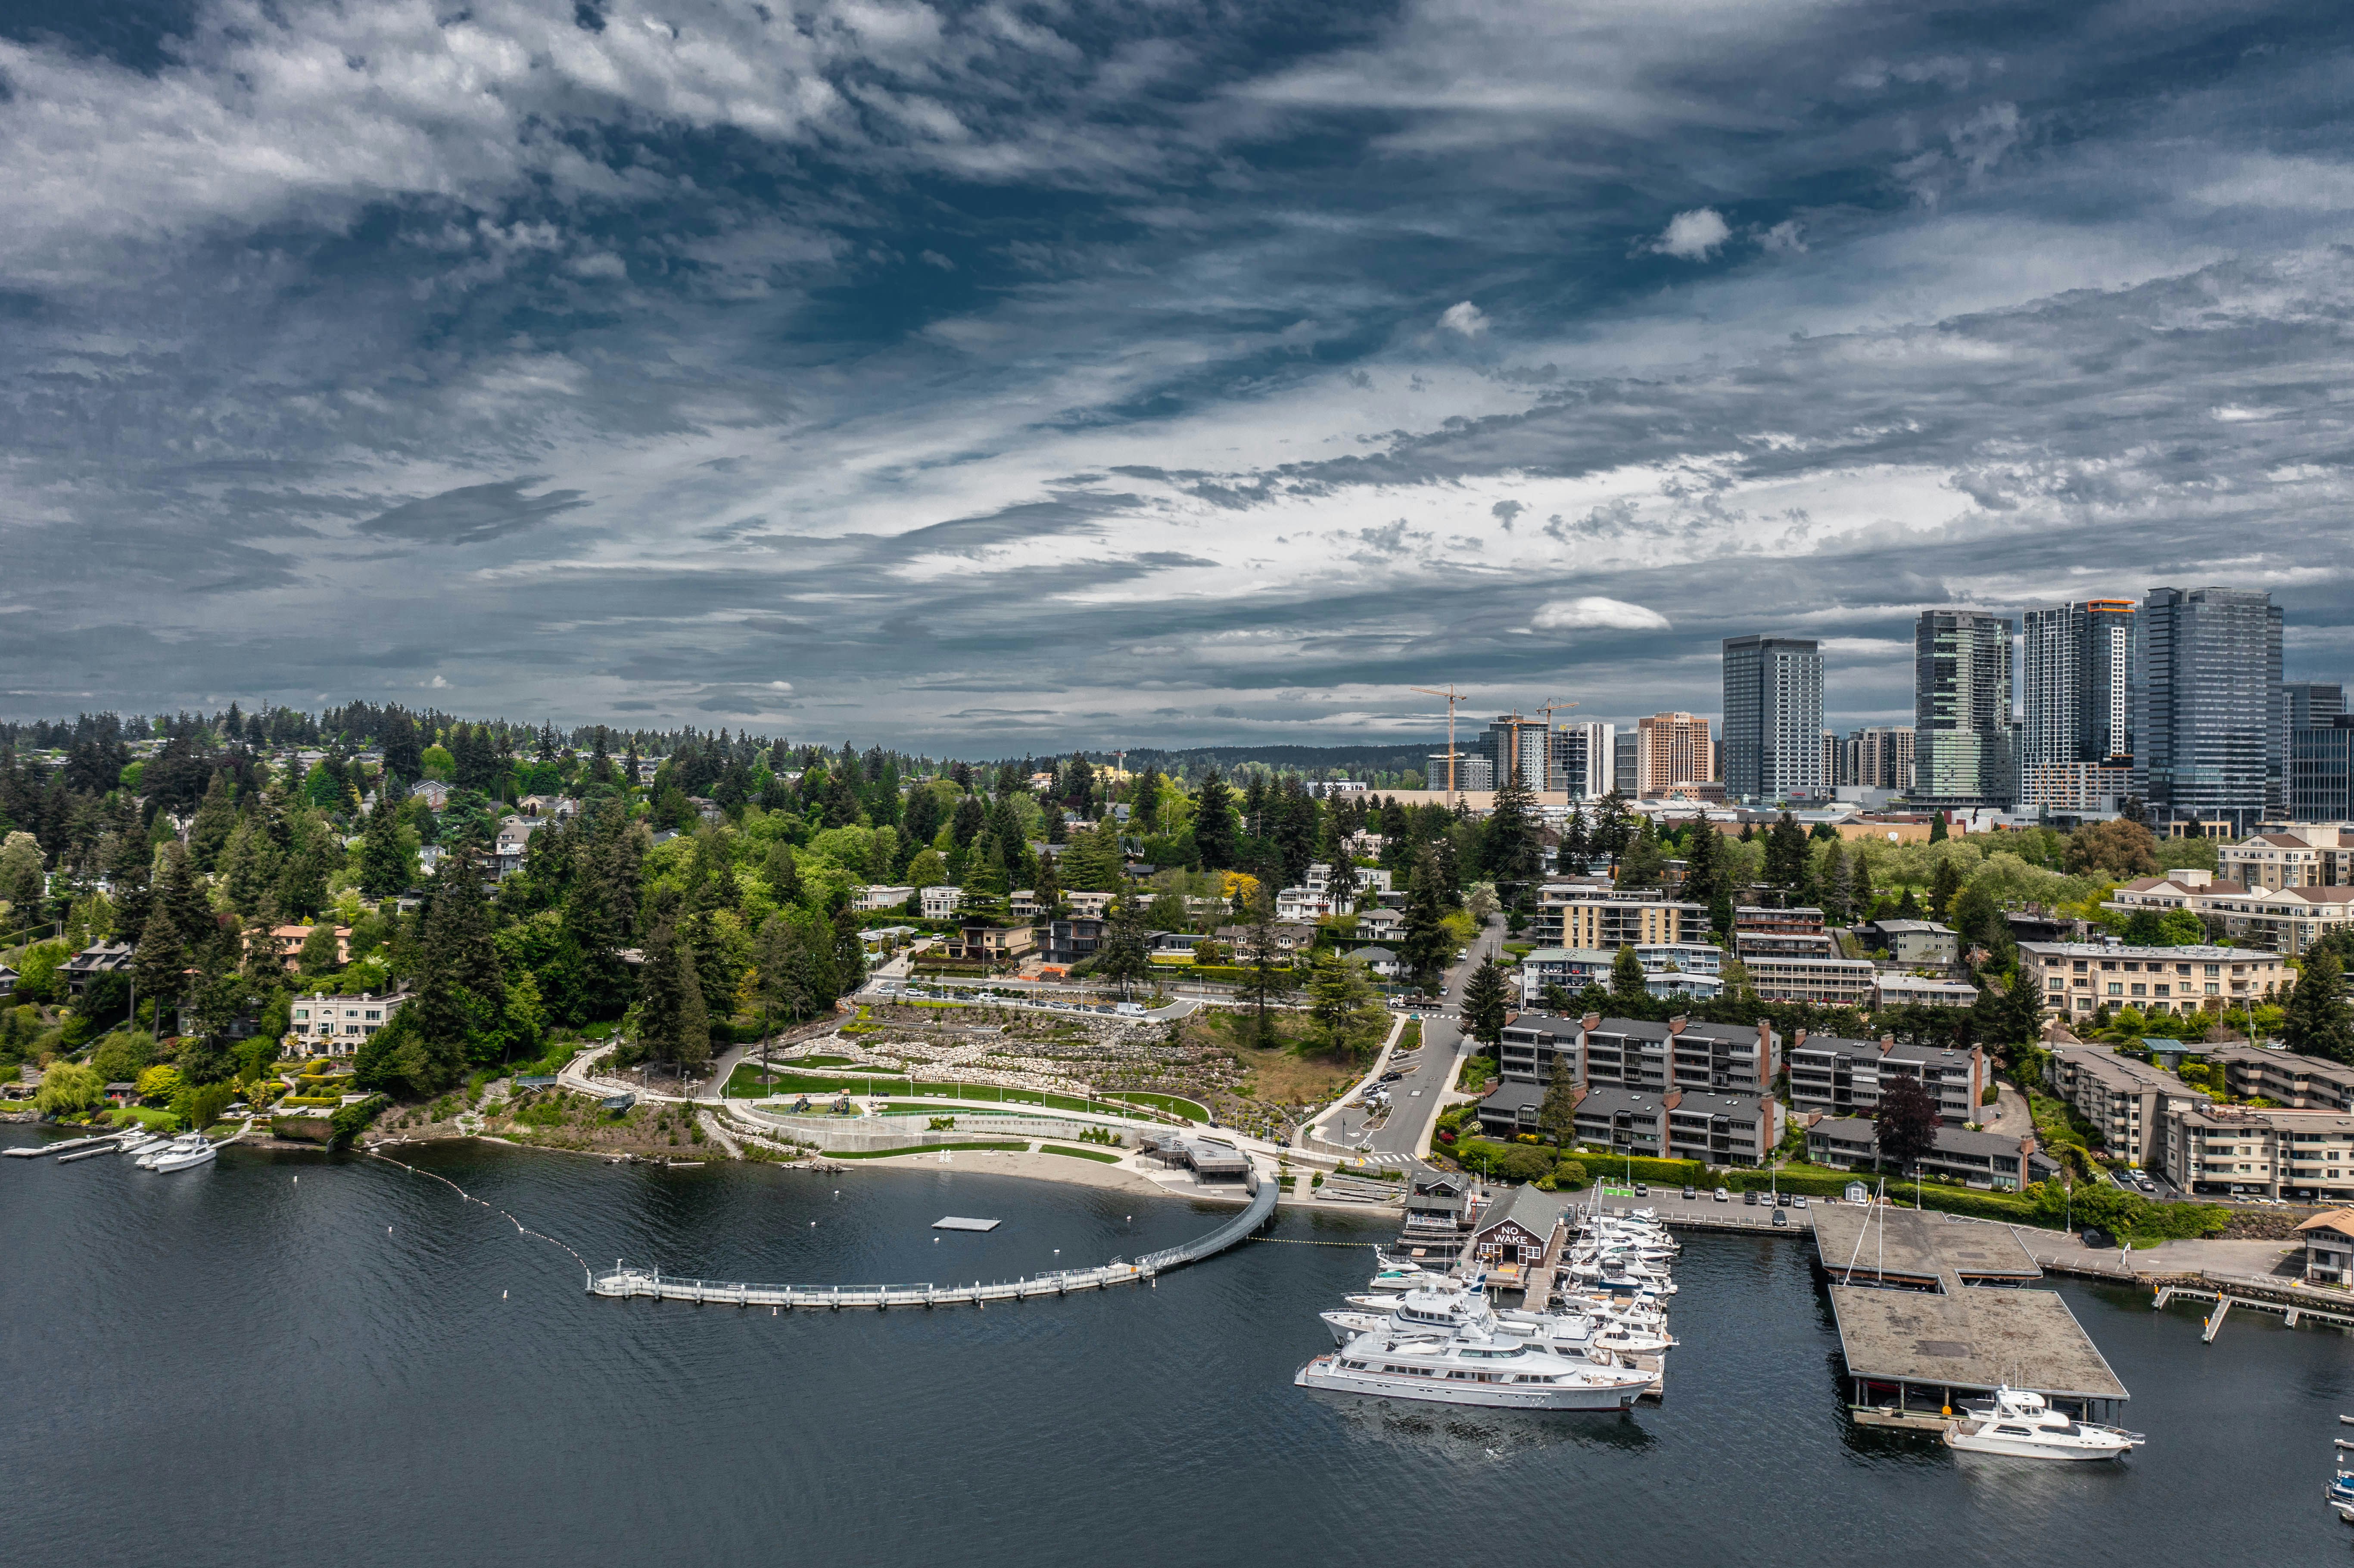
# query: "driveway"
[[1416, 1099]]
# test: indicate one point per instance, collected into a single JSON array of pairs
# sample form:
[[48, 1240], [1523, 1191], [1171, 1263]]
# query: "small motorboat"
[[188, 1150], [2017, 1424]]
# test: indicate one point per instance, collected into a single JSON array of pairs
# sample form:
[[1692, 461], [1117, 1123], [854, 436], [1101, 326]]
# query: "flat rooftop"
[[1972, 1340], [1908, 1246]]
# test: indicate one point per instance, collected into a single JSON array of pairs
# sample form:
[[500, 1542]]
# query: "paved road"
[[1416, 1098]]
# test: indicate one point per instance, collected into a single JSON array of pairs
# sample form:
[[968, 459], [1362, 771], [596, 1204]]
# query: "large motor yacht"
[[2017, 1424], [1472, 1369]]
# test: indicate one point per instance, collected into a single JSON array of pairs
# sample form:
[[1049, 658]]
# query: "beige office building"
[[1670, 749]]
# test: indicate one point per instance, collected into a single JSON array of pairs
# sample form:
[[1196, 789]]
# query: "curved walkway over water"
[[623, 1282]]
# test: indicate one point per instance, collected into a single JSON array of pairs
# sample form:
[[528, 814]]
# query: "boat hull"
[[1325, 1373], [2027, 1448], [185, 1160]]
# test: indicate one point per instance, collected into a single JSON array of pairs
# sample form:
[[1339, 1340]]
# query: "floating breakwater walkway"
[[623, 1282]]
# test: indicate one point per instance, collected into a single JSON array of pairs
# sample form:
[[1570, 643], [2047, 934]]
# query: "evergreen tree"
[[1048, 893], [1337, 991], [1786, 855], [1267, 969], [1937, 827], [1513, 855], [672, 1024], [1612, 825], [460, 985], [1558, 1115], [1213, 824], [1122, 956], [1704, 866], [385, 865], [1576, 843], [1645, 864], [158, 969], [783, 874], [1945, 882], [1424, 944], [1628, 980], [1485, 1011], [1831, 884], [2317, 1022]]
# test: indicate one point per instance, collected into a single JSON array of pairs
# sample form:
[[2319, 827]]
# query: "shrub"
[[346, 1123], [1569, 1174]]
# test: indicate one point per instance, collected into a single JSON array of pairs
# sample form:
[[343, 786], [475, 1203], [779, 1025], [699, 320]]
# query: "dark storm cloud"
[[473, 513], [1173, 373]]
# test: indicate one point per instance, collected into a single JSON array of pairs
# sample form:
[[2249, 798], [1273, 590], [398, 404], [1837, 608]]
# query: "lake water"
[[232, 1366]]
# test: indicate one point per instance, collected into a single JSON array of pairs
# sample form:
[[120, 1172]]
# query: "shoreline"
[[1029, 1164]]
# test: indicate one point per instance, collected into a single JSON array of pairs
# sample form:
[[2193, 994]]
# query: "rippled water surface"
[[234, 1366]]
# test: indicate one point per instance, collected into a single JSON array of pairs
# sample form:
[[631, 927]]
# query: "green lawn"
[[1176, 1105], [1095, 1154], [912, 1148]]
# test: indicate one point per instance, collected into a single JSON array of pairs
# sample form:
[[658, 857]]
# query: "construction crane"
[[1453, 697]]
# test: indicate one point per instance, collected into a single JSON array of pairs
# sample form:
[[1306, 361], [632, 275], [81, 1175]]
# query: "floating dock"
[[623, 1282], [958, 1223]]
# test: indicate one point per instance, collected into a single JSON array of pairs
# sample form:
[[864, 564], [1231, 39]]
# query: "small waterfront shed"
[[2328, 1247]]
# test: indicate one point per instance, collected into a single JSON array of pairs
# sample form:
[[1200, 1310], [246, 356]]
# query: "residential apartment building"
[[1846, 1077], [989, 943], [2209, 732], [1631, 1052], [1895, 988], [1963, 743], [1916, 944], [1827, 982], [1579, 917], [1671, 748], [2296, 1082], [1469, 771], [2127, 1099], [2234, 1150], [2074, 789], [1630, 1121], [1984, 1160], [1516, 748], [2286, 919], [2300, 854], [1877, 757], [1669, 968], [941, 900], [1724, 1130], [1585, 760], [336, 1025], [2074, 978], [1773, 744], [2079, 666]]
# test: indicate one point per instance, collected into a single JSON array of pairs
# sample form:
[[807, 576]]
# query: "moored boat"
[[2019, 1424]]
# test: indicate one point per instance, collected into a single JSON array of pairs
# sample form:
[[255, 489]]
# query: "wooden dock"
[[2292, 1300]]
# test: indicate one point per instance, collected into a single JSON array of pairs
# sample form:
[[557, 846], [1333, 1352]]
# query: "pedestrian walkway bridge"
[[622, 1281]]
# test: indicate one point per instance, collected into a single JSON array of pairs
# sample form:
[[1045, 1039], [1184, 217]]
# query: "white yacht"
[[1628, 1339], [1396, 1281], [138, 1142], [1472, 1369], [190, 1149], [2017, 1424]]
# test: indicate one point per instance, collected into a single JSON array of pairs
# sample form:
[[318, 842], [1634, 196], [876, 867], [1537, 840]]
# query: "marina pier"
[[1930, 1310], [623, 1282]]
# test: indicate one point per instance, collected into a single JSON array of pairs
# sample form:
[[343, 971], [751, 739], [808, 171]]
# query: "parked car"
[[1780, 1218], [1799, 1202], [1722, 1196], [1782, 1200], [1689, 1193], [1749, 1197], [1391, 1077], [1642, 1190]]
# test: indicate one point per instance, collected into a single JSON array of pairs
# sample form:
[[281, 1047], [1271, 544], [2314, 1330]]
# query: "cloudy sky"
[[1054, 374]]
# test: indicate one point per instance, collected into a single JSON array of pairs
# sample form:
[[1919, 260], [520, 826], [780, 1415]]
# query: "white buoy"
[[502, 1294], [387, 1230]]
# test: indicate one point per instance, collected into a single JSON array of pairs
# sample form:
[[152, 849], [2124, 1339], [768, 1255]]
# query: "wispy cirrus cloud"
[[1170, 372]]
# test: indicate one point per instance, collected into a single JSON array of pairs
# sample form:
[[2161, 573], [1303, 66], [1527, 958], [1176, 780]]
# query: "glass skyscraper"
[[2078, 676], [2210, 730], [1964, 743], [1773, 740]]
